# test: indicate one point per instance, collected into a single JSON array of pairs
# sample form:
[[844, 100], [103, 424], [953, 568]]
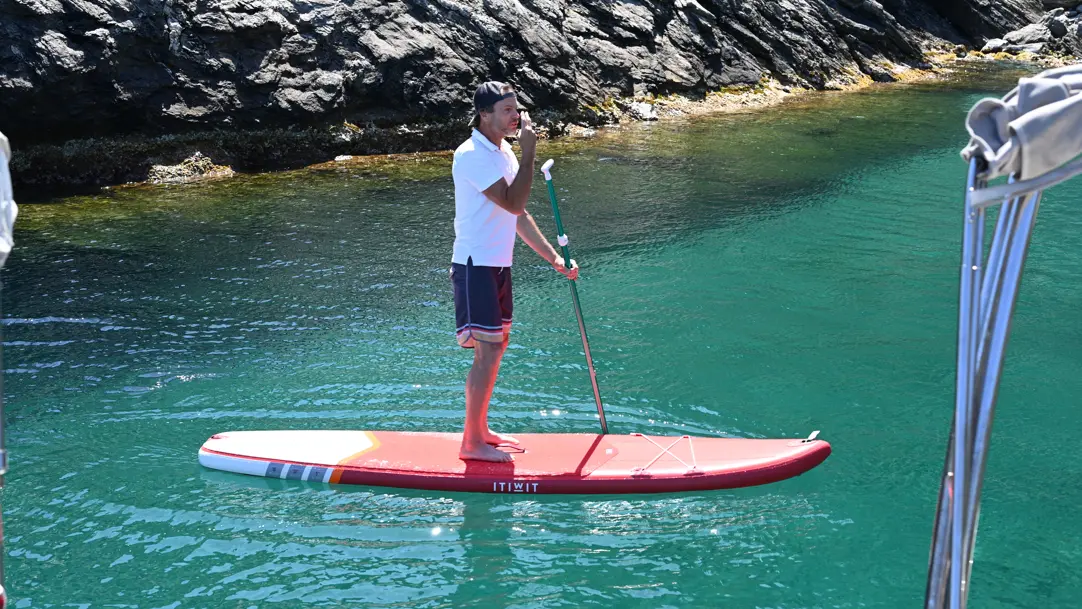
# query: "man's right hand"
[[526, 136]]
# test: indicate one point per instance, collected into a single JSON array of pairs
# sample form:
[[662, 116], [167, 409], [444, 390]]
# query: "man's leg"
[[478, 312], [506, 301], [492, 437], [479, 384]]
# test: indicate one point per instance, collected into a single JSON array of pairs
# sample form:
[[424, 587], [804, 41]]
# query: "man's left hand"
[[571, 273]]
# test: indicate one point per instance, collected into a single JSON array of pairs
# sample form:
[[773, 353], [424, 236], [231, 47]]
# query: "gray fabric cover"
[[8, 208], [1035, 128]]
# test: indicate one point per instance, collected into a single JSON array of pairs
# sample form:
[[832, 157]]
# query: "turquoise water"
[[755, 275]]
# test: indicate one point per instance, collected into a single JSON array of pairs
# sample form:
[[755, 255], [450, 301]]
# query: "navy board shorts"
[[482, 303]]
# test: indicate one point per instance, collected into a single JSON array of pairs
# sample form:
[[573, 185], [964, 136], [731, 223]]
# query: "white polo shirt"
[[483, 230]]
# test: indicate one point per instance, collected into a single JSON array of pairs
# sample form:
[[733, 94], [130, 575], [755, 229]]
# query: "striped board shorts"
[[482, 303]]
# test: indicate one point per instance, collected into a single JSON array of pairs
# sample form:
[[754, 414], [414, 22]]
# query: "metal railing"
[[988, 291]]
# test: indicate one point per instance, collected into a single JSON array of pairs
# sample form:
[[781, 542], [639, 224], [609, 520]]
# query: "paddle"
[[562, 240]]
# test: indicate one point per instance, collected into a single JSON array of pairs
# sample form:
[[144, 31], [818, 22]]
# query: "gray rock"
[[1036, 48], [984, 19], [191, 169], [642, 111], [994, 45], [1057, 28], [1033, 33]]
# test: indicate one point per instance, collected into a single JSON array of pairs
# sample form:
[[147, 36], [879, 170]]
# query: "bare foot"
[[483, 452], [496, 439]]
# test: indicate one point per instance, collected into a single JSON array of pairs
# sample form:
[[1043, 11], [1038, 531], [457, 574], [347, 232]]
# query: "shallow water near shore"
[[762, 274]]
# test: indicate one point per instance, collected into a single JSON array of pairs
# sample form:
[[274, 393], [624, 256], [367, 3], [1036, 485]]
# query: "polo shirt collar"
[[484, 140]]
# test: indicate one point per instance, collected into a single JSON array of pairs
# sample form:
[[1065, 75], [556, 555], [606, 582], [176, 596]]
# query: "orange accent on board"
[[336, 474]]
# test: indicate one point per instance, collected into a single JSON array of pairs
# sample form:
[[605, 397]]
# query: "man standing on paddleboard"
[[490, 209]]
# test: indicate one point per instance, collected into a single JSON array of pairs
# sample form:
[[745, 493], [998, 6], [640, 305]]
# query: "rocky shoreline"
[[1059, 32], [258, 85]]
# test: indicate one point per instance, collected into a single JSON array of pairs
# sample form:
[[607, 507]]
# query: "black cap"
[[488, 93]]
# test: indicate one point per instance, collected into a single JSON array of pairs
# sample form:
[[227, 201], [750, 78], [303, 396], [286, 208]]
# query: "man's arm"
[[527, 229], [513, 198]]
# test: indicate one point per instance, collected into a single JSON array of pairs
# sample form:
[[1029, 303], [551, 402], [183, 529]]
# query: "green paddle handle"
[[561, 237]]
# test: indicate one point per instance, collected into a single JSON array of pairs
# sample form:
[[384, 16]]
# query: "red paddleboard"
[[543, 463]]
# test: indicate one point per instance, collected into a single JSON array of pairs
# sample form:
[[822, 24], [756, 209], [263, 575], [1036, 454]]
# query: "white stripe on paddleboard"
[[270, 469], [232, 464]]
